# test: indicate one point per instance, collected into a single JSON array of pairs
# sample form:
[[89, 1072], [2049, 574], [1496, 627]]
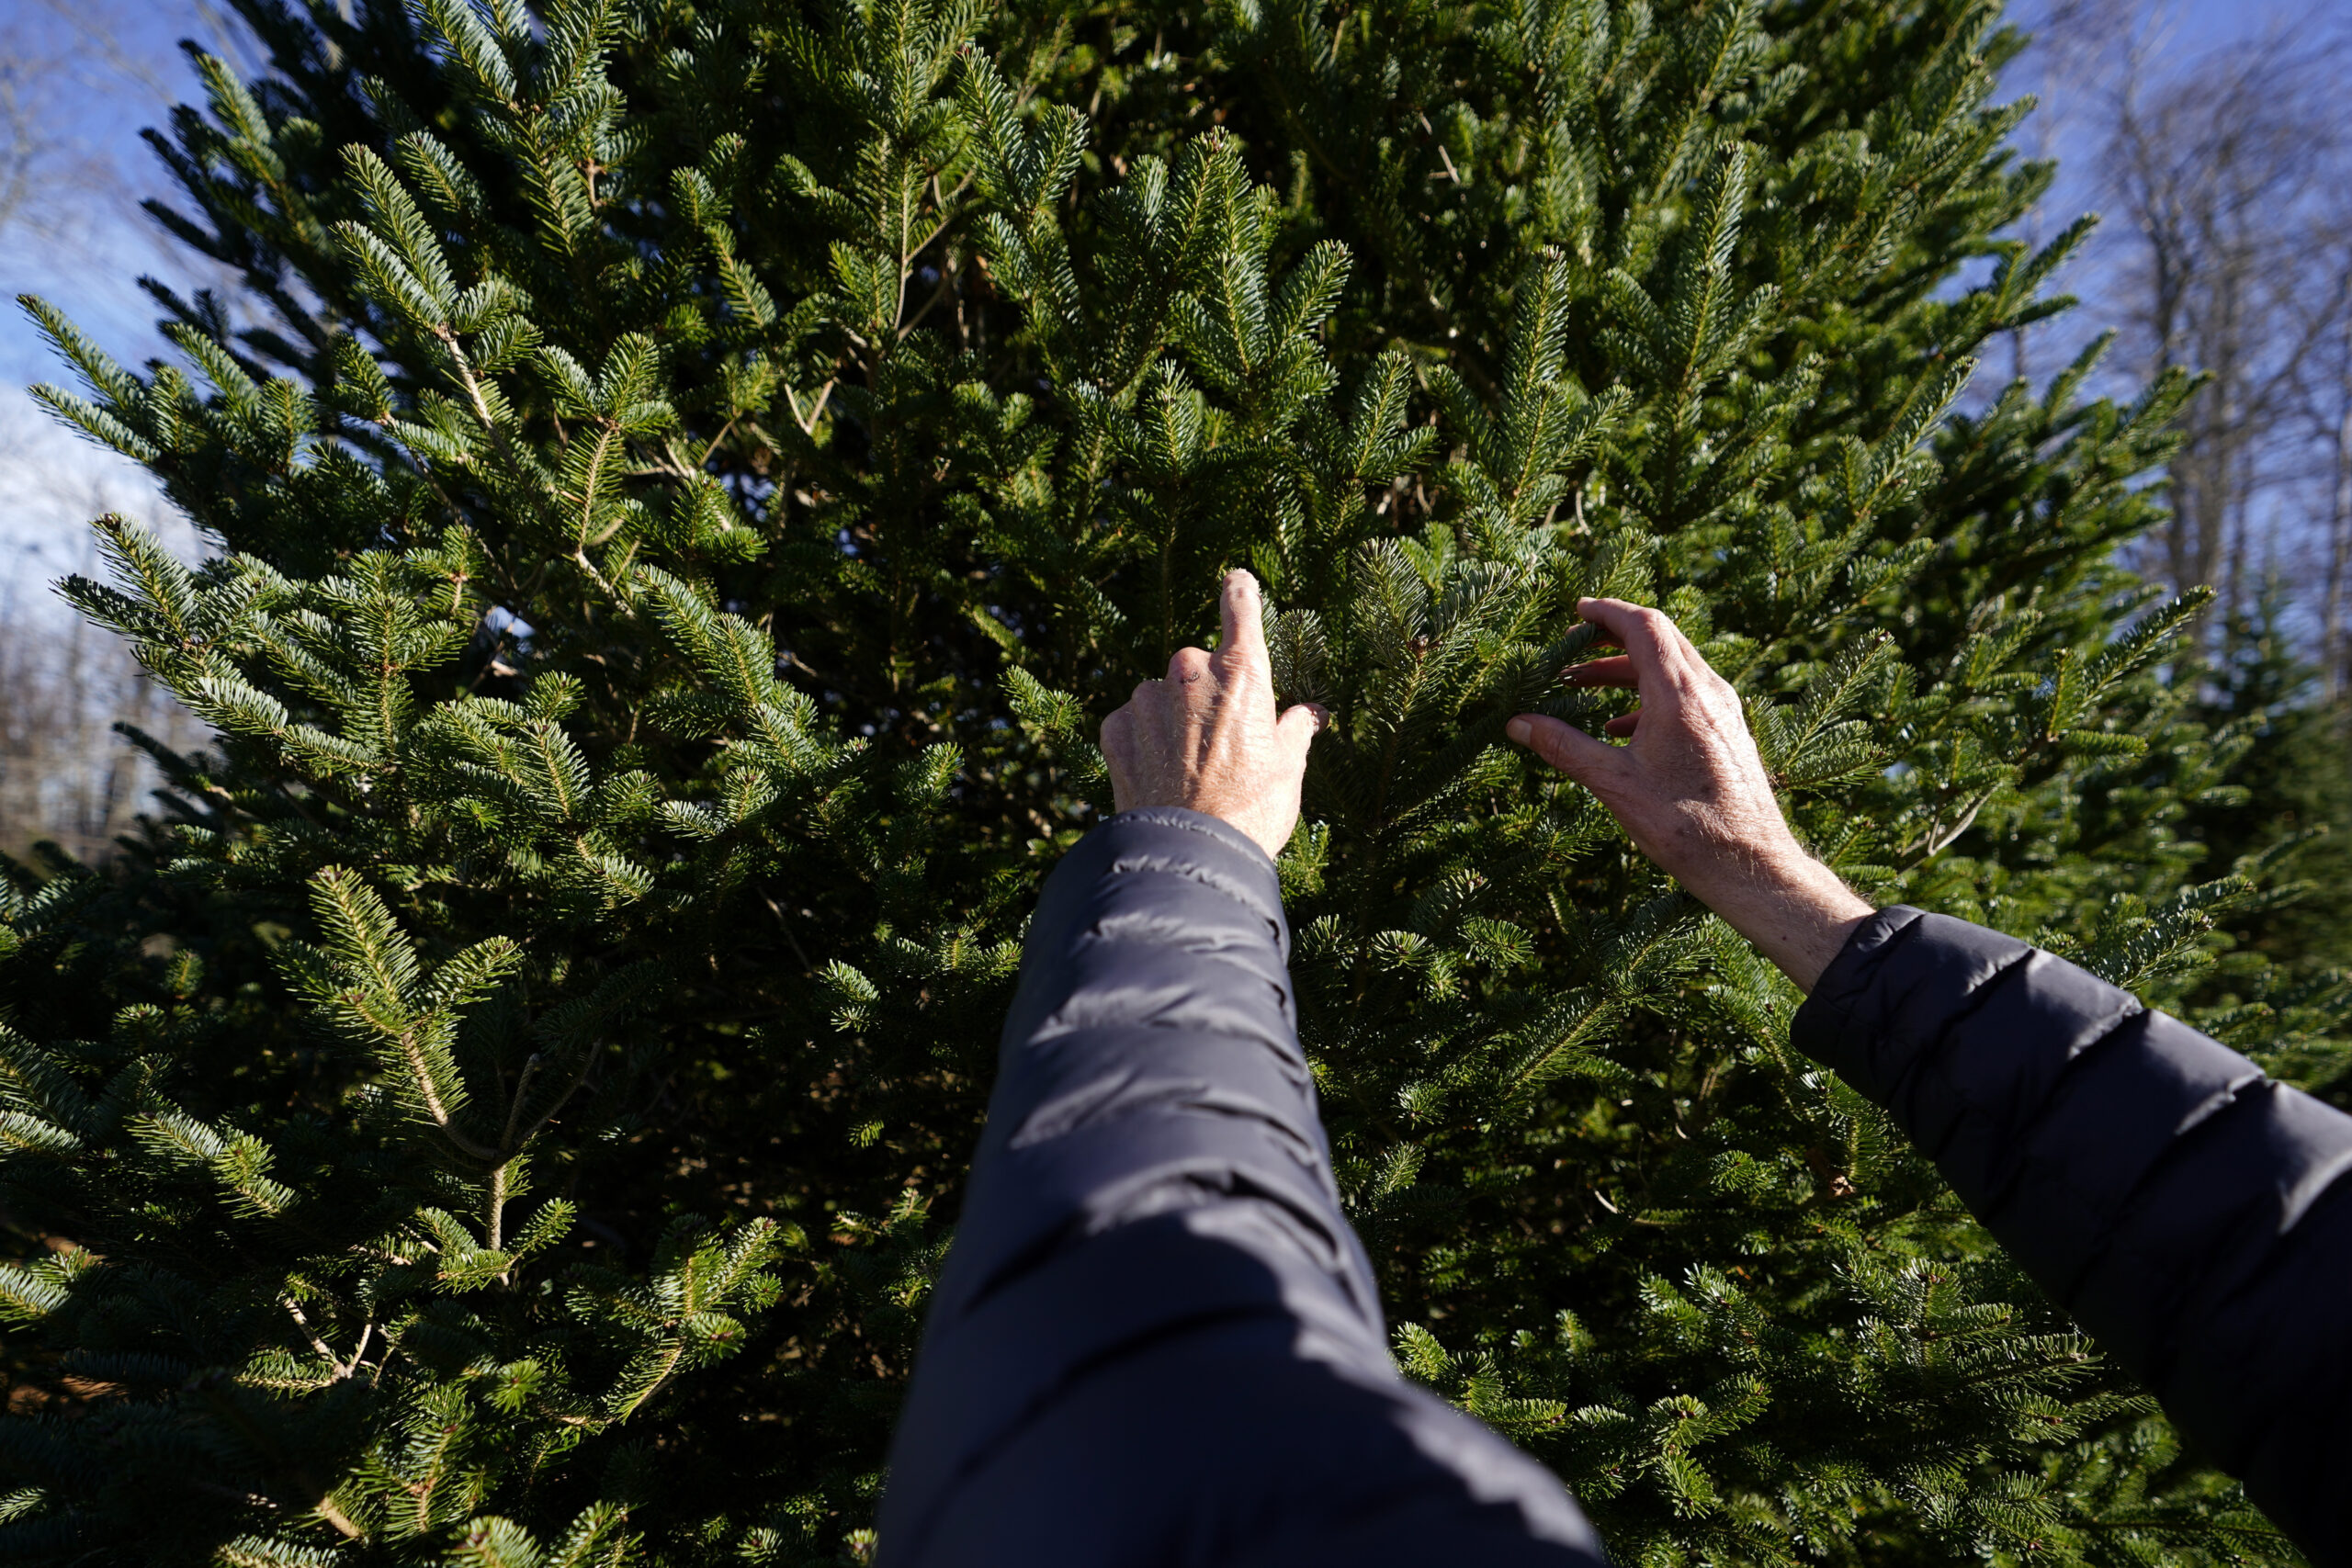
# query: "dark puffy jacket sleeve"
[[2195, 1217], [1156, 1340]]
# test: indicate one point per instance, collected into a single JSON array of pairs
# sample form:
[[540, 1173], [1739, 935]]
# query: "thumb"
[[1566, 748], [1298, 727]]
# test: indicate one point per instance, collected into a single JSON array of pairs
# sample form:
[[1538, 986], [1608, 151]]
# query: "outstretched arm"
[[1156, 1339], [2193, 1216]]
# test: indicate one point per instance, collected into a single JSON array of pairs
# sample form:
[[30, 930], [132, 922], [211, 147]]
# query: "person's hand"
[[1207, 738], [1692, 793]]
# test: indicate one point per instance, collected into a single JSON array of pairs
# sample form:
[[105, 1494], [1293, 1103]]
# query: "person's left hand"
[[1692, 794], [1207, 738]]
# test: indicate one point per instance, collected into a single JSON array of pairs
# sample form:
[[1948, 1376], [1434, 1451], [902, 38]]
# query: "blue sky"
[[107, 68]]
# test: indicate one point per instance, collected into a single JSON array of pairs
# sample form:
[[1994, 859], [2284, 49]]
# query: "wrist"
[[1250, 815], [1796, 911]]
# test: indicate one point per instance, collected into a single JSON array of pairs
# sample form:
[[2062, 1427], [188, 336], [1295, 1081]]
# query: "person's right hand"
[[1207, 738], [1692, 793]]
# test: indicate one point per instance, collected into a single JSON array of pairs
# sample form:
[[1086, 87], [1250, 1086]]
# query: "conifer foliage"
[[686, 478]]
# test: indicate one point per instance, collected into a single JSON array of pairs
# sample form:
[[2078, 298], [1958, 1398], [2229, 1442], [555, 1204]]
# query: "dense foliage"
[[686, 477]]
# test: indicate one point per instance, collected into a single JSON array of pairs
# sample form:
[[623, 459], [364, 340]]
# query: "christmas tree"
[[687, 477]]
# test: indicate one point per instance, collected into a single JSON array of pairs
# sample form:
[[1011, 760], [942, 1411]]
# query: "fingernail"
[[1519, 729], [1322, 715]]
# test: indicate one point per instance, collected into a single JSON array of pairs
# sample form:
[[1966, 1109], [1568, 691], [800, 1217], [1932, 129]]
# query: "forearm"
[[1156, 1323], [1152, 1041], [1797, 911], [2195, 1217], [1148, 1062]]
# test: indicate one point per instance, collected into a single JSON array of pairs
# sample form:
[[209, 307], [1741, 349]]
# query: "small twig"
[[786, 925], [940, 228], [515, 1106], [495, 1217], [367, 1332], [586, 1058], [579, 558], [309, 1332], [809, 425], [1444, 157], [1934, 842], [335, 1516], [375, 1372], [941, 291], [714, 441], [423, 1076], [466, 374]]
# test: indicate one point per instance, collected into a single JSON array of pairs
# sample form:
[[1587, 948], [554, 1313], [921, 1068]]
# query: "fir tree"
[[692, 475], [2287, 805]]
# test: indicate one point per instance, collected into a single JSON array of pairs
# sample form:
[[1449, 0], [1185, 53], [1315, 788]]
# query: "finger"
[[1299, 726], [1589, 762], [1117, 736], [1624, 724], [1188, 665], [1617, 671], [1656, 648], [1243, 612]]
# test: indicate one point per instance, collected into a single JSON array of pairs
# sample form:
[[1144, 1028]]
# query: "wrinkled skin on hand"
[[1691, 791], [1207, 738]]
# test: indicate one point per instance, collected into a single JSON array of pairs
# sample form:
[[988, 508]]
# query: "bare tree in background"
[[69, 180], [65, 776], [2230, 175], [37, 161], [2323, 405], [19, 140], [2224, 173], [69, 200], [2072, 45]]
